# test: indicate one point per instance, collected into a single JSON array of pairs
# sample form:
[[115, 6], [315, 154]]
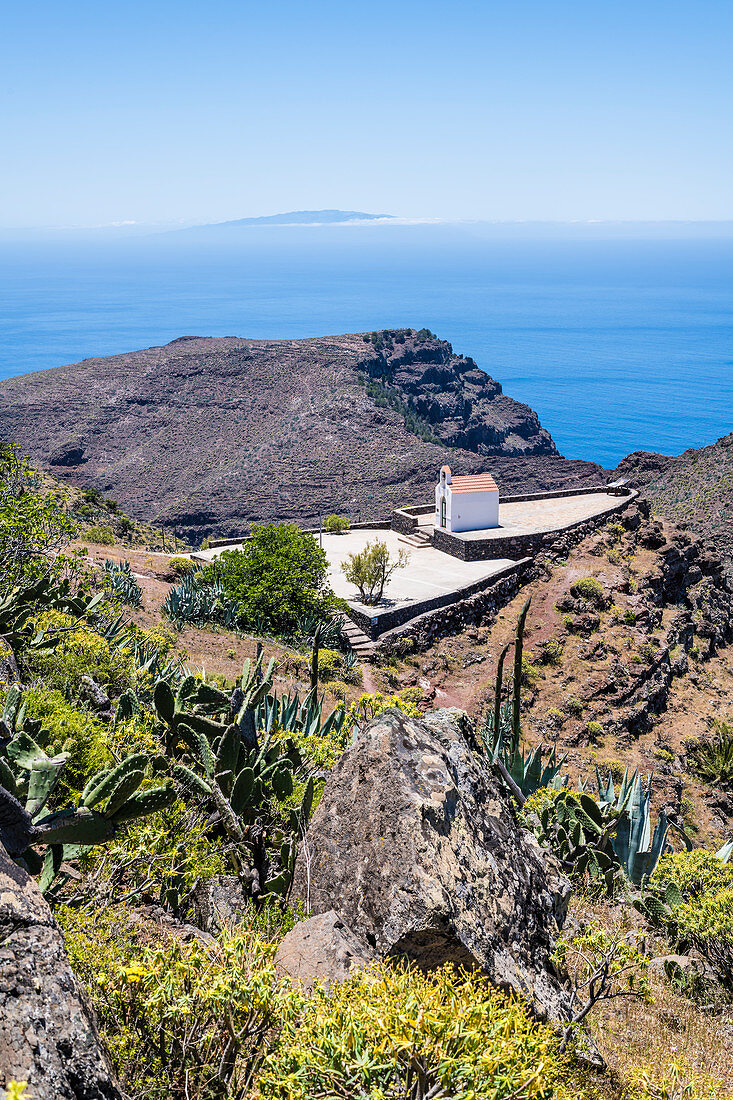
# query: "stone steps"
[[419, 540], [358, 641]]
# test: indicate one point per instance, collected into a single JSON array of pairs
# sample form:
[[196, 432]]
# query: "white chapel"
[[466, 503]]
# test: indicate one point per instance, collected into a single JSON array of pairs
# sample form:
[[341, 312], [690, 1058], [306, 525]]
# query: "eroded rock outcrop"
[[417, 847], [47, 1034]]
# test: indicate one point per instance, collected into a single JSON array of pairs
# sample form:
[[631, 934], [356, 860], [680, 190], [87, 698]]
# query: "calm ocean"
[[618, 344]]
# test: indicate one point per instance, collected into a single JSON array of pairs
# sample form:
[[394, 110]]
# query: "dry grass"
[[636, 1037]]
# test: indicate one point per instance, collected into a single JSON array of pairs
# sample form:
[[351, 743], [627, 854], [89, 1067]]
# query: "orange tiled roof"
[[474, 483]]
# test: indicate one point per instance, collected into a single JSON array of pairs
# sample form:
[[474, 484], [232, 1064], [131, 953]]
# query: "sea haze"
[[619, 344]]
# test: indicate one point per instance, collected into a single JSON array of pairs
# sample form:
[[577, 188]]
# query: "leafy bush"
[[550, 652], [279, 576], [180, 565], [371, 568], [594, 729], [70, 650], [100, 536], [712, 757], [74, 650], [574, 707], [707, 923], [191, 1019], [70, 730], [694, 873], [590, 589], [398, 1033], [336, 525], [33, 524], [371, 706]]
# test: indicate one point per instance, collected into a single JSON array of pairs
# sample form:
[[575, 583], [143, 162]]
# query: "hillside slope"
[[211, 434], [694, 488]]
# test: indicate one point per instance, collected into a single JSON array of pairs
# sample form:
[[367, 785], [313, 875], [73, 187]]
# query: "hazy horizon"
[[502, 112]]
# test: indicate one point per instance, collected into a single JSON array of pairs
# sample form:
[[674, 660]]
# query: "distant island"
[[295, 217]]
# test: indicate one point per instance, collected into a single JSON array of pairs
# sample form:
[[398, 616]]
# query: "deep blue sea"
[[618, 344]]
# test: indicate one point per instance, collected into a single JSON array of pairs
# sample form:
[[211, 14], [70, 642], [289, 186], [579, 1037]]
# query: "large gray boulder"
[[417, 847], [47, 1034]]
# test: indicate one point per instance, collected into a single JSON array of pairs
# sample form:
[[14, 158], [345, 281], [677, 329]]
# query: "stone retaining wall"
[[475, 607], [376, 624]]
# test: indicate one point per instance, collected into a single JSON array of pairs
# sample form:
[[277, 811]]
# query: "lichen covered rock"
[[417, 846], [47, 1034]]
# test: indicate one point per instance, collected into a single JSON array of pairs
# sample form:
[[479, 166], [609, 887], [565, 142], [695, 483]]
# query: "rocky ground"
[[694, 488], [210, 435]]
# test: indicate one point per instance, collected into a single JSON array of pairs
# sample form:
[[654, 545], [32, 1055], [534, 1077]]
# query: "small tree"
[[371, 568], [279, 576], [336, 525]]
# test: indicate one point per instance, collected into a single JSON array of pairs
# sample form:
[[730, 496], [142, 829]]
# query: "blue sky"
[[165, 112]]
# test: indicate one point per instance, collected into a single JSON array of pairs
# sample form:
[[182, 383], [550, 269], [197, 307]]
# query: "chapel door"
[[442, 512]]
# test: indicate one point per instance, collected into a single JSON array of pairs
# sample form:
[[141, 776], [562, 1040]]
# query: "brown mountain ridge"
[[213, 434]]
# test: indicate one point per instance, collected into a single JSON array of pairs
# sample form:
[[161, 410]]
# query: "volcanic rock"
[[47, 1034], [417, 846]]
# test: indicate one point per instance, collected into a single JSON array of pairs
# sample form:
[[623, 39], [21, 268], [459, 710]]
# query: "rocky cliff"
[[214, 434], [694, 489]]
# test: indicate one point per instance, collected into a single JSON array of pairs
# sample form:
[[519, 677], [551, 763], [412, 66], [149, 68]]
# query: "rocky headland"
[[212, 434]]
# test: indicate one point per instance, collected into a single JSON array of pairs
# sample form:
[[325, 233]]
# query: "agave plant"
[[200, 601], [638, 848], [28, 778], [120, 581]]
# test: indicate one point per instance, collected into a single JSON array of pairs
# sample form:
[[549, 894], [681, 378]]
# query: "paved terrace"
[[428, 573], [531, 517], [431, 574]]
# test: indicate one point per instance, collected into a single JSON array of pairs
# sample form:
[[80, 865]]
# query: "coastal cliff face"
[[213, 434]]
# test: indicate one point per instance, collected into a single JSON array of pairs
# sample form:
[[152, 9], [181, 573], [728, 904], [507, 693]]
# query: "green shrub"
[[277, 578], [530, 672], [712, 757], [371, 706], [76, 650], [696, 872], [537, 802], [387, 1028], [336, 525], [370, 569], [191, 1019], [707, 923], [70, 730], [629, 617], [590, 589], [594, 730], [551, 652], [180, 565], [100, 536], [166, 855], [574, 707]]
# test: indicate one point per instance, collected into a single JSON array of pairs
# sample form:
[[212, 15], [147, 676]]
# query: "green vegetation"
[[389, 397], [128, 783], [279, 576], [371, 568], [336, 525], [712, 757], [591, 590], [100, 536]]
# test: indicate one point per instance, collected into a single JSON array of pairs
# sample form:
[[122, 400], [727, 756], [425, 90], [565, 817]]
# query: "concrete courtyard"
[[428, 572]]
